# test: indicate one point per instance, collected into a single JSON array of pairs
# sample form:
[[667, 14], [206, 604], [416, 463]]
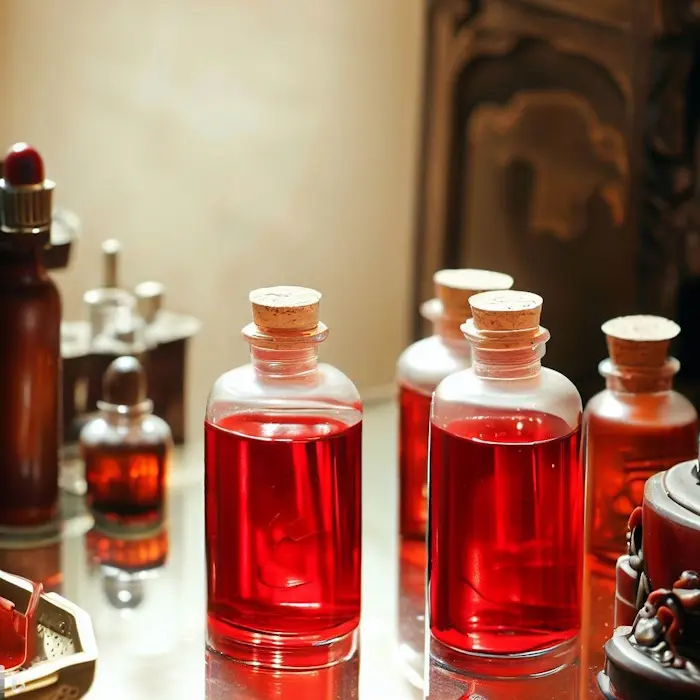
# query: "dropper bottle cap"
[[124, 386], [25, 194]]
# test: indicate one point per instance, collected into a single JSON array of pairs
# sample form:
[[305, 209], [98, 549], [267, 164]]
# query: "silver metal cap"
[[26, 209]]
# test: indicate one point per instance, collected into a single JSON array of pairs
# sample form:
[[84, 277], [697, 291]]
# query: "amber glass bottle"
[[126, 450], [30, 323], [636, 427]]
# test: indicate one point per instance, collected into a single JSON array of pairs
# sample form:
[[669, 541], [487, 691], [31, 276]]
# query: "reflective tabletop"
[[147, 602]]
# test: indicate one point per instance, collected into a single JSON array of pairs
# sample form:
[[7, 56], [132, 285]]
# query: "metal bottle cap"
[[25, 194]]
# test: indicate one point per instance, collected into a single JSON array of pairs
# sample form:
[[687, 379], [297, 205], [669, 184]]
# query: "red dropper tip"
[[23, 166]]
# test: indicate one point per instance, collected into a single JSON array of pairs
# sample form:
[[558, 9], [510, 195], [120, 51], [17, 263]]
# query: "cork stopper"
[[285, 308], [124, 382], [506, 310], [639, 341], [453, 289]]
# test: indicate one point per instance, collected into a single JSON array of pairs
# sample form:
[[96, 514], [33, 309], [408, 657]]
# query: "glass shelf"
[[147, 604]]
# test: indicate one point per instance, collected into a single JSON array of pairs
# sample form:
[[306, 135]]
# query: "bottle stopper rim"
[[508, 301], [641, 328], [472, 279]]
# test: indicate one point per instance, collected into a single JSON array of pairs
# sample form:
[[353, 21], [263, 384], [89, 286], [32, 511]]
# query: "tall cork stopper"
[[639, 341], [285, 308], [454, 288]]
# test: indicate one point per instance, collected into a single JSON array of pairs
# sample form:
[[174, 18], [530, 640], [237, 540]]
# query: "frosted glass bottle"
[[420, 368], [505, 539], [636, 427], [283, 495]]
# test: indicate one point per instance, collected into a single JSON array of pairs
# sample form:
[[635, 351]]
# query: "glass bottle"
[[126, 450], [506, 486], [30, 354], [638, 426], [420, 368], [282, 494]]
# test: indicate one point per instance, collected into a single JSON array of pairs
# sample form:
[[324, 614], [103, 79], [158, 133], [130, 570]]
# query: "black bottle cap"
[[124, 382]]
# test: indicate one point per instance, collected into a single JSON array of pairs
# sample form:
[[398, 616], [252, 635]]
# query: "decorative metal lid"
[[682, 484]]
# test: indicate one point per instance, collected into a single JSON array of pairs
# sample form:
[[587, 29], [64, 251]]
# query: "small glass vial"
[[282, 494], [505, 539], [638, 426], [421, 367], [126, 450]]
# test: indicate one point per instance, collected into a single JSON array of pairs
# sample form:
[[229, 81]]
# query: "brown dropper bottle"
[[30, 329]]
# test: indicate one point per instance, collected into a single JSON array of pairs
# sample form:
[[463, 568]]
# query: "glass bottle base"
[[529, 665], [281, 651]]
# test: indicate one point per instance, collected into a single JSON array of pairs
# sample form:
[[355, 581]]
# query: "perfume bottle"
[[506, 485], [638, 426], [126, 450], [30, 358], [421, 367], [282, 494]]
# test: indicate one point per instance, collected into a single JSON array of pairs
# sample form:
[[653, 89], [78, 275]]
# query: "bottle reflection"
[[39, 561], [412, 611], [229, 680], [562, 684], [126, 562]]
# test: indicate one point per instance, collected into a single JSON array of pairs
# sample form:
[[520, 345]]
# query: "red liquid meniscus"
[[283, 521], [506, 533]]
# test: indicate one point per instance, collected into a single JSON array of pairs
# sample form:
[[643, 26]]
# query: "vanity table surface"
[[156, 649]]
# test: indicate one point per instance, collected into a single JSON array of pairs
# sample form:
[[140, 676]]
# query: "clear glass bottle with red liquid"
[[420, 368], [282, 494], [126, 450], [30, 352], [638, 426], [506, 489]]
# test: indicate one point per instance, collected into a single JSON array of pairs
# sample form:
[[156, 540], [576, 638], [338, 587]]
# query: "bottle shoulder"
[[425, 363], [666, 408], [547, 392], [146, 429], [326, 389]]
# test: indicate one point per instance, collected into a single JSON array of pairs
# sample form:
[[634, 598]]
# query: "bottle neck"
[[119, 414], [508, 363], [294, 360], [450, 331], [639, 380], [20, 259]]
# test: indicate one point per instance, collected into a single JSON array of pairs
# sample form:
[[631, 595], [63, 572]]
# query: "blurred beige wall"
[[229, 145]]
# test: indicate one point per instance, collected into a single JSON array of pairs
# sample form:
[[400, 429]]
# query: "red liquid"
[[126, 483], [620, 457], [283, 518], [414, 424], [506, 533]]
